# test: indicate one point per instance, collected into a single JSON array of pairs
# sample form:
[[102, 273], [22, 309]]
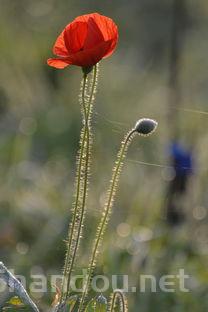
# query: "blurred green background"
[[39, 132]]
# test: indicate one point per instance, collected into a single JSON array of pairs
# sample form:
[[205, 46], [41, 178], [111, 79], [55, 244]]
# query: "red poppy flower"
[[85, 41]]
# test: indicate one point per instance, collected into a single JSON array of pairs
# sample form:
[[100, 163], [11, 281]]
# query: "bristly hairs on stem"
[[143, 127], [86, 169], [87, 96], [106, 214], [118, 299]]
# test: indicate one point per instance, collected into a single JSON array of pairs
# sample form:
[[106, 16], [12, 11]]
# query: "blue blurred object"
[[181, 159], [182, 162]]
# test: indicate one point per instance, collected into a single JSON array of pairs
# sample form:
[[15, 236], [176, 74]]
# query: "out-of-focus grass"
[[39, 130]]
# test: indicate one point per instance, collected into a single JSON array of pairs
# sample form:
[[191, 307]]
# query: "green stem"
[[87, 134], [74, 234], [118, 296], [106, 214], [78, 186]]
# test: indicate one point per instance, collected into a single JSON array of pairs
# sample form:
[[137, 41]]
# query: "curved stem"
[[103, 223], [118, 296]]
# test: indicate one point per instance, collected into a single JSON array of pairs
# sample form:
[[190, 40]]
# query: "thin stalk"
[[118, 298], [86, 169], [74, 235], [106, 214], [78, 187]]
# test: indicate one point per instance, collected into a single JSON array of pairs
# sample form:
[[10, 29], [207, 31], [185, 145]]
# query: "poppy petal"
[[59, 47], [91, 56], [74, 36], [94, 35], [111, 48], [58, 63], [85, 41], [106, 26]]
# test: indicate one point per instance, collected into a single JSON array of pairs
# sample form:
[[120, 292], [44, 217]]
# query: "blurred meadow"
[[159, 71]]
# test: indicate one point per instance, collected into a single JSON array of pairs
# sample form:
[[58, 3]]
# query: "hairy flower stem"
[[86, 174], [106, 214], [119, 299], [75, 229], [72, 227]]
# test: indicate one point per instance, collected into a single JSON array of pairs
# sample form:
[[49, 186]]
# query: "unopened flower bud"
[[145, 126], [101, 299]]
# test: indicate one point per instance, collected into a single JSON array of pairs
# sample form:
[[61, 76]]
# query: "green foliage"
[[14, 304], [95, 305]]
